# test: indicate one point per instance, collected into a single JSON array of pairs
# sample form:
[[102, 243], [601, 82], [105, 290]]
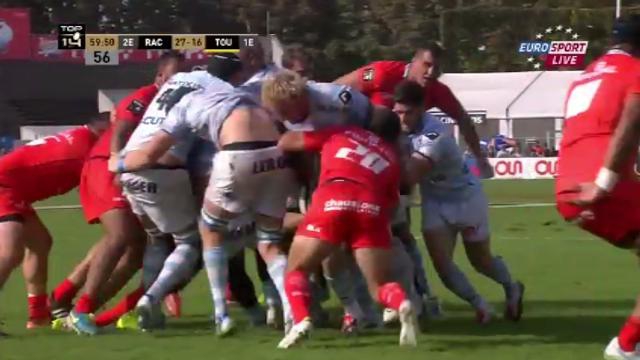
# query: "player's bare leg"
[[35, 270], [440, 245], [494, 267], [306, 253], [375, 266], [625, 345], [269, 235], [61, 300], [122, 229], [340, 278], [212, 229], [11, 248], [125, 269]]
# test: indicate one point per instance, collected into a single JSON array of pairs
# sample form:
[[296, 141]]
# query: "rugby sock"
[[85, 304], [65, 292], [38, 306], [176, 269], [456, 281], [270, 292], [391, 295], [419, 273], [155, 255], [276, 268], [343, 287], [125, 305], [215, 261], [500, 274], [296, 284], [629, 335]]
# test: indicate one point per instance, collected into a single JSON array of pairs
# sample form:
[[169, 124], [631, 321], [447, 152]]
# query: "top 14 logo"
[[557, 52]]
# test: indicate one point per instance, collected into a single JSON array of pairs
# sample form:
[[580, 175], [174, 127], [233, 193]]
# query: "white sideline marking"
[[493, 206]]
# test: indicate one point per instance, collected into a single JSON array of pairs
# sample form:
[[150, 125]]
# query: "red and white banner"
[[524, 168]]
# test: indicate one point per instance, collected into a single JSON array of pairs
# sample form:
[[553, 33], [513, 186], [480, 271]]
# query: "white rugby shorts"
[[163, 195], [468, 216]]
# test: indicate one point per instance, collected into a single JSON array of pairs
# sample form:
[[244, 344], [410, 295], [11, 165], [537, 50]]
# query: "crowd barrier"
[[524, 168]]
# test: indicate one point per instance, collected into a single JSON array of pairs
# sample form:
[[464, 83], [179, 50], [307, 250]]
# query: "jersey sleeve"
[[441, 97], [131, 108], [430, 145], [366, 78], [314, 140], [356, 106]]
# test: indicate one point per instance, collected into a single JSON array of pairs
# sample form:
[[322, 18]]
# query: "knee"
[[12, 257]]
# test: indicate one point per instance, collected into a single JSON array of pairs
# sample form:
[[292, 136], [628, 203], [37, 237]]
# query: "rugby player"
[[38, 170], [596, 186], [250, 174], [163, 199], [103, 202], [307, 105], [378, 81], [453, 203], [357, 192]]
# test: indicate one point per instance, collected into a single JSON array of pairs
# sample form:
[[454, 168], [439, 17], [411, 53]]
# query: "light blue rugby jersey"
[[204, 111], [449, 179], [333, 104]]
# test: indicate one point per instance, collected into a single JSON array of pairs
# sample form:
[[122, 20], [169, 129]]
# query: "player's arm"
[[352, 79], [306, 140], [428, 149], [128, 114], [623, 146], [145, 157], [449, 104]]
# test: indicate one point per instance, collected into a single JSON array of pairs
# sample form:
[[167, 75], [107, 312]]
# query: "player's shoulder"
[[431, 131], [146, 92], [387, 65], [330, 93]]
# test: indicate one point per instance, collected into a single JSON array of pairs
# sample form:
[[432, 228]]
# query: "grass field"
[[579, 290]]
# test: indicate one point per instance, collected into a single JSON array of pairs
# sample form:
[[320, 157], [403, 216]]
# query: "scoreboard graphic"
[[103, 49]]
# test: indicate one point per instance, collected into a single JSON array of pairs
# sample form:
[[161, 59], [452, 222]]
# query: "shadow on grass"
[[544, 322]]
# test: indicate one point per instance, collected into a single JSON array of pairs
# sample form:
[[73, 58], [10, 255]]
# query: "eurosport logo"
[[556, 47]]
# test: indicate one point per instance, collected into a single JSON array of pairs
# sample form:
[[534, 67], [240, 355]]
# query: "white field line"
[[493, 206]]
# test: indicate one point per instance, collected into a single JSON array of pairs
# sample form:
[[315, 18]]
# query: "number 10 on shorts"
[[101, 57]]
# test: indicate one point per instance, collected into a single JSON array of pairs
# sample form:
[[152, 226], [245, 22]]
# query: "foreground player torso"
[[360, 156], [593, 109], [49, 166], [449, 177], [167, 97], [204, 111]]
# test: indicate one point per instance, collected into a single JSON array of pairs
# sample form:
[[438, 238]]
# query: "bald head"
[[252, 58]]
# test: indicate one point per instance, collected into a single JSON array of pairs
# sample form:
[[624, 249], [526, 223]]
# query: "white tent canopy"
[[513, 95]]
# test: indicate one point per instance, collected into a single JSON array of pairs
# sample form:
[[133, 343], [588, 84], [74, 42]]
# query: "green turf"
[[577, 297]]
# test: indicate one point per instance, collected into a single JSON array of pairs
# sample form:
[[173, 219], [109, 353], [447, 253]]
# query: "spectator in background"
[[537, 150], [296, 58], [504, 146]]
